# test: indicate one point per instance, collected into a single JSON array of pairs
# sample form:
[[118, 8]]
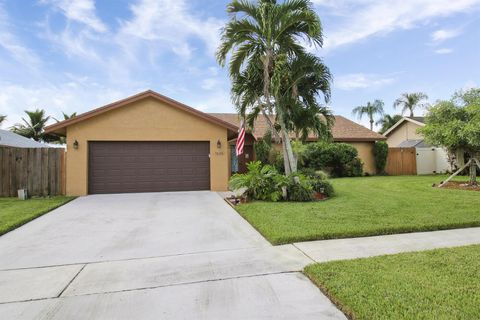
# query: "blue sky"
[[74, 55]]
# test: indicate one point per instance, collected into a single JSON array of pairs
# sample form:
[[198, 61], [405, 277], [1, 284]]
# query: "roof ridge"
[[136, 97]]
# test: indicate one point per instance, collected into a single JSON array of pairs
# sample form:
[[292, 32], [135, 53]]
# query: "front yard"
[[367, 206], [438, 284], [14, 212]]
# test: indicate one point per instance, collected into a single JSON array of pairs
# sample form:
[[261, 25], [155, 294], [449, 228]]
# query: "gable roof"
[[419, 121], [343, 130], [10, 139], [60, 127]]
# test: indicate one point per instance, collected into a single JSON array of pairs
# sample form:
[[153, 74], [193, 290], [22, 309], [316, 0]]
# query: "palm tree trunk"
[[288, 156], [276, 136], [266, 78], [371, 125]]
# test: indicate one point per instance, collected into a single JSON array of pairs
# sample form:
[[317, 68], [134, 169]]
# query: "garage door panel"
[[116, 167]]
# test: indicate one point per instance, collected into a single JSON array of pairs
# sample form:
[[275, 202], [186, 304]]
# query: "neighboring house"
[[343, 130], [149, 143], [10, 139], [429, 159]]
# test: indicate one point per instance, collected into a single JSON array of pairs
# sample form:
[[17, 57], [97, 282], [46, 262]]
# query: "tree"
[[455, 125], [370, 110], [387, 122], [34, 126], [59, 139], [258, 36], [410, 102], [66, 116], [2, 119]]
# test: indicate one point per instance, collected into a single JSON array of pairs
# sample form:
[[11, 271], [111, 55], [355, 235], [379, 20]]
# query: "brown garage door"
[[119, 167]]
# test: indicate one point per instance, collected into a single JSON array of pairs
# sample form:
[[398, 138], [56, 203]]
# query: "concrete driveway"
[[181, 255]]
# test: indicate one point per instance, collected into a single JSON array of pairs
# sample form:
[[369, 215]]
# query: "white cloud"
[[170, 23], [13, 45], [82, 11], [55, 99], [444, 51], [217, 101], [445, 34], [361, 81], [209, 83], [367, 18]]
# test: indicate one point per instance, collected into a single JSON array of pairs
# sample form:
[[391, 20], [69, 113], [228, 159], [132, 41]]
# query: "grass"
[[437, 284], [15, 212], [365, 207]]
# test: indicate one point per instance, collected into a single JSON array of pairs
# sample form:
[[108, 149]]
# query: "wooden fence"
[[401, 161], [39, 170]]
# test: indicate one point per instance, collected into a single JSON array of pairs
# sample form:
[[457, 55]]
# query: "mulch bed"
[[461, 186]]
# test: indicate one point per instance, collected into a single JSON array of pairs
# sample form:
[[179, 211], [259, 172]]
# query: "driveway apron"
[[178, 255]]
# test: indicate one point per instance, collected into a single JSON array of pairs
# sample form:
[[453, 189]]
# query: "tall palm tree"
[[410, 102], [300, 82], [59, 139], [370, 110], [2, 119], [66, 116], [256, 36], [387, 122], [34, 126]]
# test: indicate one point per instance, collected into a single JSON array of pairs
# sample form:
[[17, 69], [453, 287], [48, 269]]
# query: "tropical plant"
[[371, 110], [260, 182], [380, 152], [263, 39], [2, 119], [387, 122], [411, 101], [267, 184], [455, 125], [33, 126]]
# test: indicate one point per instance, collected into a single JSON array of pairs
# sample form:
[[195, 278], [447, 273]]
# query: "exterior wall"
[[365, 153], [144, 120], [406, 131]]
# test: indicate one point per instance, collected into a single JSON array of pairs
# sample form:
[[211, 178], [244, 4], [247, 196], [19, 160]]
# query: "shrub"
[[300, 190], [314, 174], [323, 186], [380, 151], [340, 158], [266, 183], [353, 169]]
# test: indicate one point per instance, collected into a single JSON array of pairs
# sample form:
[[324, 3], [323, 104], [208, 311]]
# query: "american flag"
[[240, 139]]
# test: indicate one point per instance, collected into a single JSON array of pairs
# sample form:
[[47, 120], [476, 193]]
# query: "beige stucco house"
[[405, 130], [149, 143]]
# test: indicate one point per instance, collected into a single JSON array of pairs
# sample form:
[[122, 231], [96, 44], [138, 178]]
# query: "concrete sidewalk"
[[342, 249]]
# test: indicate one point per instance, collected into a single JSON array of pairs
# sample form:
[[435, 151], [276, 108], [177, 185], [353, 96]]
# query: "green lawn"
[[14, 212], [438, 284], [367, 206]]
